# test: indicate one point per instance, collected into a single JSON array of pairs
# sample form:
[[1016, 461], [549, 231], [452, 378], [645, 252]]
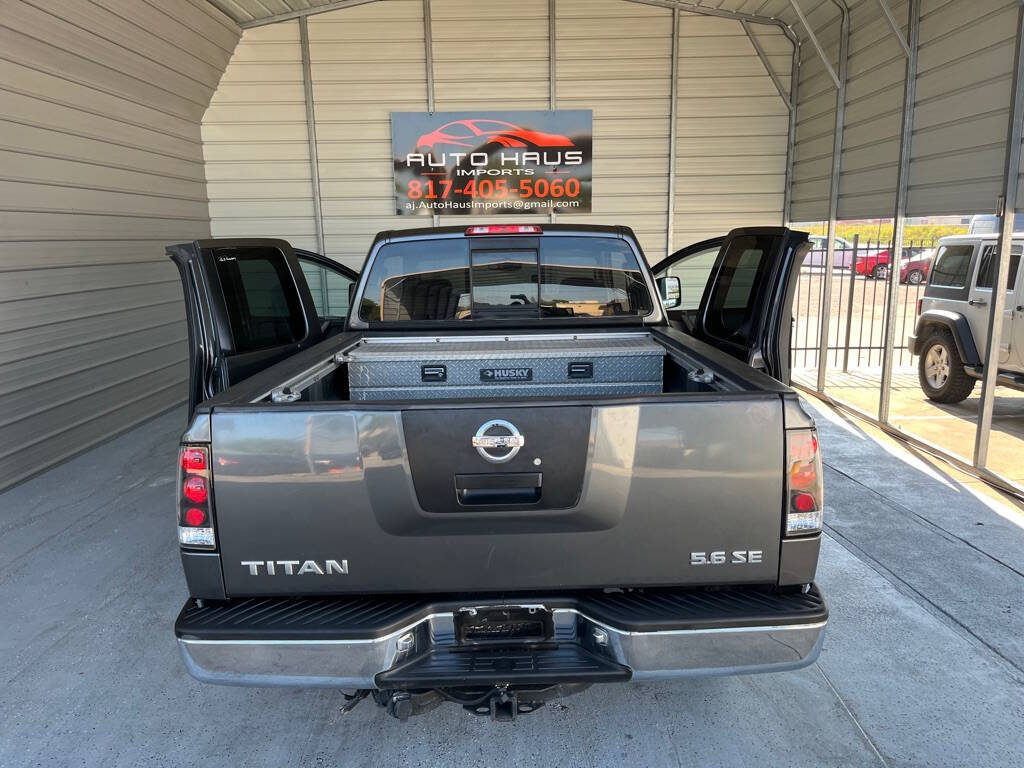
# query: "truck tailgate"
[[318, 500]]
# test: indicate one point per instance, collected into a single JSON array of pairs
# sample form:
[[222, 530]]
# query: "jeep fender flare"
[[958, 327]]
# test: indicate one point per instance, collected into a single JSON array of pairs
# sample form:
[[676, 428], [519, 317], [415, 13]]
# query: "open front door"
[[249, 306], [746, 293]]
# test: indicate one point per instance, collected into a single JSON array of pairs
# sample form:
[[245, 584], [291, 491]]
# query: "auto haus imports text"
[[511, 163]]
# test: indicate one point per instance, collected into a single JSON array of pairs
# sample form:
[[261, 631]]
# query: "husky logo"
[[506, 374], [295, 567]]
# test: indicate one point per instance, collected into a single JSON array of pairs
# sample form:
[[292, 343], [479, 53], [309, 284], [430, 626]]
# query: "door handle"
[[977, 303]]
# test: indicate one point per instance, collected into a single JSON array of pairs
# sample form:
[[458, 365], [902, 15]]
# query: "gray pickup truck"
[[499, 465]]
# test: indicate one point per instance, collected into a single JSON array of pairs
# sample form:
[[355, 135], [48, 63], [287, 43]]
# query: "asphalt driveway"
[[923, 662]]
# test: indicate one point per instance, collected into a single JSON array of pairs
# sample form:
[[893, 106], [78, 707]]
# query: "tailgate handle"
[[503, 488]]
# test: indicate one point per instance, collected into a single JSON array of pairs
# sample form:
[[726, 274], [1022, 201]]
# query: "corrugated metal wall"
[[100, 167], [616, 59], [874, 112], [613, 57], [255, 142], [732, 128], [962, 109], [815, 118], [366, 62]]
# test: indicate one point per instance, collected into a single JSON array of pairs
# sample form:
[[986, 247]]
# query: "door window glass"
[[260, 296], [730, 311], [987, 267], [693, 273], [330, 288], [951, 266]]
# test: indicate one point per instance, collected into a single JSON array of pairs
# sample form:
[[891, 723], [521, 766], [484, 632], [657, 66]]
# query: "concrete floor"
[[950, 427], [923, 662]]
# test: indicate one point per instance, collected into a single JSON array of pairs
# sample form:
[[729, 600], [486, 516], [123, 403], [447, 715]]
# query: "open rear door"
[[248, 306], [746, 305]]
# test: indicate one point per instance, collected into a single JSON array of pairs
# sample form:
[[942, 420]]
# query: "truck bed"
[[368, 367]]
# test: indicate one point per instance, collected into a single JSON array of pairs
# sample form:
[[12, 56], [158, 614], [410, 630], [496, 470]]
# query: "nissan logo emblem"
[[505, 443]]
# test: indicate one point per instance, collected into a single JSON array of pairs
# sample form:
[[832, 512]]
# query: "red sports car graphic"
[[473, 133]]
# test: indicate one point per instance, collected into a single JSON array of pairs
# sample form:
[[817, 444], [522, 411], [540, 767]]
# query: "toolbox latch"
[[581, 370], [433, 373]]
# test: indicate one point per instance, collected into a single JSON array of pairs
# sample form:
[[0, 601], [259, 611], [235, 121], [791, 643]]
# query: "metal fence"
[[858, 303]]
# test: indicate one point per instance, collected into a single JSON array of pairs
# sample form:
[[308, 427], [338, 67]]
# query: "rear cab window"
[[466, 279]]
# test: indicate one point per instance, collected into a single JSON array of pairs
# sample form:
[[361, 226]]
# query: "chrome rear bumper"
[[653, 655]]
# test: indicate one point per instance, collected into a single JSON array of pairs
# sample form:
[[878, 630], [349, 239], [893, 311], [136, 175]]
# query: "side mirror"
[[671, 292]]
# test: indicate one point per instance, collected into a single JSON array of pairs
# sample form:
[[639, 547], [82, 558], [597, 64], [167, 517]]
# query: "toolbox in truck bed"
[[535, 365]]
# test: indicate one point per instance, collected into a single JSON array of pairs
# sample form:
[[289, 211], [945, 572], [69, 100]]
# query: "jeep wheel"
[[915, 277], [880, 272], [941, 371]]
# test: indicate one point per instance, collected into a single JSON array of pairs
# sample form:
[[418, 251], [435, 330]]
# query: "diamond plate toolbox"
[[536, 365]]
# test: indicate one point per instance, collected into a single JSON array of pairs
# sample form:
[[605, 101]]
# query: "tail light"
[[195, 521], [920, 303], [803, 482], [504, 229]]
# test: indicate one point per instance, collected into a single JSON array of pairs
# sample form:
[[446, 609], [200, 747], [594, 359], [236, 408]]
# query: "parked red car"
[[875, 265], [914, 266]]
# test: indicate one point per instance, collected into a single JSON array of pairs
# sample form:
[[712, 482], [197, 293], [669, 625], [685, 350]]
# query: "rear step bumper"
[[412, 643]]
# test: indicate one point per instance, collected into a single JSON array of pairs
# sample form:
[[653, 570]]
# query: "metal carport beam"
[[673, 118], [900, 212], [833, 193], [794, 98], [767, 65], [1008, 207], [314, 158], [814, 40], [302, 12], [887, 12], [704, 10]]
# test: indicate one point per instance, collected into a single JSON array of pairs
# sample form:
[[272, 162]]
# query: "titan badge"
[[295, 567], [512, 439]]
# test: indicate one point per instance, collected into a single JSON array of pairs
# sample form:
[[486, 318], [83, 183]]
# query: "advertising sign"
[[492, 162]]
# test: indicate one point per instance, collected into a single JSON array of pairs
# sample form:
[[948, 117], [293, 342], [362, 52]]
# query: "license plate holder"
[[504, 625]]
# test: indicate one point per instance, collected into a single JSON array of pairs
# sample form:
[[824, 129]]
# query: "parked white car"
[[843, 252], [816, 256]]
